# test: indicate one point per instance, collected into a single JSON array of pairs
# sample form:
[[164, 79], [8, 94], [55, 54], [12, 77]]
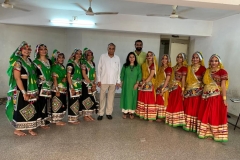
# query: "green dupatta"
[[76, 76], [46, 73], [60, 71]]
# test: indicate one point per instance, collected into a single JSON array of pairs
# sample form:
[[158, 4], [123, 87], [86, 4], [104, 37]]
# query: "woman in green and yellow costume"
[[193, 91], [21, 108], [146, 107], [175, 110], [43, 71], [212, 115], [59, 99], [74, 78], [88, 103]]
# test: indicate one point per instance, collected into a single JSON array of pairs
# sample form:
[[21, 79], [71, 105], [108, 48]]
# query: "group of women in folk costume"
[[38, 89], [190, 96]]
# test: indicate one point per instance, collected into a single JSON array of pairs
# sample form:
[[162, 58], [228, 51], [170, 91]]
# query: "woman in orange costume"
[[146, 107], [212, 116], [163, 76], [193, 92], [175, 112]]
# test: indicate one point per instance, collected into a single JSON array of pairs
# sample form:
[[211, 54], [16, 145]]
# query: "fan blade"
[[180, 17], [101, 13], [158, 15], [22, 9], [185, 10], [79, 5]]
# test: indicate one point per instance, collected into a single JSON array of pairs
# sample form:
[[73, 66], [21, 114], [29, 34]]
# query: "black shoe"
[[100, 118], [109, 116]]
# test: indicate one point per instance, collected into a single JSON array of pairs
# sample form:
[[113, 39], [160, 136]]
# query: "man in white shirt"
[[108, 77]]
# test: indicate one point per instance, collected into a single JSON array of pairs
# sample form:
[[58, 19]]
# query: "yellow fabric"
[[166, 95], [207, 79], [146, 71], [141, 57], [160, 77], [191, 78]]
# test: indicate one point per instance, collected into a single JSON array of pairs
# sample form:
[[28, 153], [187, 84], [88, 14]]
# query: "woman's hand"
[[225, 103], [57, 93], [25, 97], [135, 86], [73, 91]]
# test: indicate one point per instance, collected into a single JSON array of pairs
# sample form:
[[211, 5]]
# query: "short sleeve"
[[168, 71], [184, 71], [17, 66], [152, 67], [83, 66], [223, 75], [70, 68], [55, 74]]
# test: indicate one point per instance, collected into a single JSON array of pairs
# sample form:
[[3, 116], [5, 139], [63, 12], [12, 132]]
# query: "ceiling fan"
[[90, 12], [174, 13], [8, 4]]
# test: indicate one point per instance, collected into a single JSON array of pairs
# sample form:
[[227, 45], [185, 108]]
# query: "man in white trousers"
[[108, 77]]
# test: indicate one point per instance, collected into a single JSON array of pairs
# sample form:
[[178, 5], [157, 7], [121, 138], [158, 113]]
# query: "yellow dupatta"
[[210, 84], [191, 80], [173, 82]]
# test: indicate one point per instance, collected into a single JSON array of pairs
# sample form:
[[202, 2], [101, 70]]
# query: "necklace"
[[45, 63], [195, 68], [27, 62]]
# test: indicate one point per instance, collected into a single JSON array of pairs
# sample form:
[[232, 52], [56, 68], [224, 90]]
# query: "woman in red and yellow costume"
[[163, 77], [193, 92], [146, 107], [212, 116], [175, 111]]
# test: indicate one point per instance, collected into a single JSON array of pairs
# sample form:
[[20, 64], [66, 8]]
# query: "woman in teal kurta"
[[130, 76]]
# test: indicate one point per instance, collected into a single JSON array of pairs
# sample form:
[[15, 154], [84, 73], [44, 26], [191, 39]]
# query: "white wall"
[[11, 36], [66, 40], [225, 43]]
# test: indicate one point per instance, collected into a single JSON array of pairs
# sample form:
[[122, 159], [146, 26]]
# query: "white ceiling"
[[41, 11]]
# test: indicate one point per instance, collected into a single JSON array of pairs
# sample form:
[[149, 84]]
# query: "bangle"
[[23, 91], [71, 86], [163, 89], [56, 88], [224, 98], [183, 89]]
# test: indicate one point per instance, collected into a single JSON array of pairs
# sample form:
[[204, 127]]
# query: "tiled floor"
[[114, 139]]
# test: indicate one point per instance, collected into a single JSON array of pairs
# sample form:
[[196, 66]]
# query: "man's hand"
[[118, 85], [99, 84]]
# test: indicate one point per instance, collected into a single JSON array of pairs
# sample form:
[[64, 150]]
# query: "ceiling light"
[[77, 22]]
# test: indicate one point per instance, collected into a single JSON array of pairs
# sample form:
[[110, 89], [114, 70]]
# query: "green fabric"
[[31, 84], [129, 95], [54, 56], [91, 71], [46, 71], [60, 71], [77, 75], [141, 57]]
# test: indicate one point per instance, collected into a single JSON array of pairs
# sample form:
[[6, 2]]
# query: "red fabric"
[[219, 76], [175, 103], [180, 73], [213, 111], [191, 105], [152, 67], [159, 100], [168, 71], [200, 73]]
